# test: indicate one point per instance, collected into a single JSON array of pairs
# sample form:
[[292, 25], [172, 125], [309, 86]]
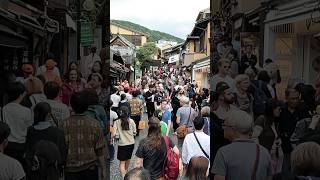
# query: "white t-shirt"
[[18, 118], [217, 78], [191, 148], [115, 100], [10, 169]]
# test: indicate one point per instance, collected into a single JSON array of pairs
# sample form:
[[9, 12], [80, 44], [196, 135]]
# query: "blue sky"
[[176, 17]]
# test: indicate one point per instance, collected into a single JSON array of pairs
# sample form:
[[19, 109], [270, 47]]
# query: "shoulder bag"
[[2, 117], [256, 164], [204, 152], [182, 130]]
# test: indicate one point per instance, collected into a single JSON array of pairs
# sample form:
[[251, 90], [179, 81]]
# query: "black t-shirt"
[[147, 96], [158, 97], [153, 159]]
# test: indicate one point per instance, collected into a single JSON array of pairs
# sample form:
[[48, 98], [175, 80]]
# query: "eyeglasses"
[[227, 67]]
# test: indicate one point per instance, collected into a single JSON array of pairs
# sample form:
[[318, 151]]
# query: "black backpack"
[[44, 161]]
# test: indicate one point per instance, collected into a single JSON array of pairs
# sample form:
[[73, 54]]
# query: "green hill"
[[153, 35]]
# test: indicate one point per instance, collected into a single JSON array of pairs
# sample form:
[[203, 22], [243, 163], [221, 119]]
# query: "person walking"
[[124, 130], [18, 118], [10, 167], [72, 84], [197, 168], [243, 157], [34, 90], [266, 129], [185, 116], [42, 129], [243, 99], [115, 98], [136, 110], [196, 143], [82, 158], [223, 75], [149, 97], [59, 110], [304, 161], [151, 152]]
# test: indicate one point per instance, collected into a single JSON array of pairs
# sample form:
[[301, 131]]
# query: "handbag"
[[204, 152], [182, 130], [142, 125]]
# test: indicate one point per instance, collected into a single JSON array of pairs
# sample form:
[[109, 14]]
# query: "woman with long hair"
[[266, 131], [197, 168], [73, 83], [124, 130], [42, 129], [151, 152]]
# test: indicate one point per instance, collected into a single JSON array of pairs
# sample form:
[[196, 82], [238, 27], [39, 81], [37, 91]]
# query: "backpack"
[[92, 112], [44, 161], [171, 163], [260, 98]]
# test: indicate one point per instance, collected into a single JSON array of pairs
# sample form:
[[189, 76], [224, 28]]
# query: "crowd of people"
[[177, 113], [256, 134], [55, 126], [72, 127]]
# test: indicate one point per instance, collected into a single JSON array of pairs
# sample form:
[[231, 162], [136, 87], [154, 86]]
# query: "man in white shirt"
[[60, 111], [223, 75], [126, 92], [197, 143], [10, 168], [18, 118], [115, 99]]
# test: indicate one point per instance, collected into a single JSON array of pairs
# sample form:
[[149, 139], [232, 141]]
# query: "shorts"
[[125, 152]]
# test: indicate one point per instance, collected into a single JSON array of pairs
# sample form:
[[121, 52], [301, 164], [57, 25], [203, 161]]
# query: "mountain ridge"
[[154, 35]]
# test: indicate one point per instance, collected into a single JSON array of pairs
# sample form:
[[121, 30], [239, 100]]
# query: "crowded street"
[[134, 90]]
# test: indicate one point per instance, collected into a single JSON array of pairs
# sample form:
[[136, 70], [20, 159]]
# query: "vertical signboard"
[[86, 34]]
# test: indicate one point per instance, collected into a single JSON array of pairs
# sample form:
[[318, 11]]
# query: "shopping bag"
[[142, 124]]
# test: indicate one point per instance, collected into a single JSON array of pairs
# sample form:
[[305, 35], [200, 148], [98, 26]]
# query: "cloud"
[[175, 17]]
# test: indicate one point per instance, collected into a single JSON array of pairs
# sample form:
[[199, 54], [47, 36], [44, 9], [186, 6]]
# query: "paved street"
[[114, 169]]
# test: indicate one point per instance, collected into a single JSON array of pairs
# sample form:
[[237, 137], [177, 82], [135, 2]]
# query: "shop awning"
[[10, 38]]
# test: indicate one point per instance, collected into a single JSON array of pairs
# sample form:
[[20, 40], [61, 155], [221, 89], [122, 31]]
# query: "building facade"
[[196, 53], [135, 37]]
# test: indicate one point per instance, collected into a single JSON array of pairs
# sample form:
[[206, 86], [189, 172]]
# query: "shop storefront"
[[291, 40], [200, 72]]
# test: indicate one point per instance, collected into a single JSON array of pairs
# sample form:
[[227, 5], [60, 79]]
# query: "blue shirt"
[[166, 116]]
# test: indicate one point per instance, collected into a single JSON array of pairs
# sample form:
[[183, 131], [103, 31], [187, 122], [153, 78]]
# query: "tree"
[[145, 54]]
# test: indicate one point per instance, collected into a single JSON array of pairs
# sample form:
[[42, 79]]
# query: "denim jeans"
[[111, 153]]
